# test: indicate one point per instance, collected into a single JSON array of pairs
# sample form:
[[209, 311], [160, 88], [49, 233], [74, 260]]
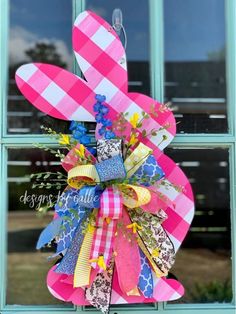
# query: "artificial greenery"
[[213, 291]]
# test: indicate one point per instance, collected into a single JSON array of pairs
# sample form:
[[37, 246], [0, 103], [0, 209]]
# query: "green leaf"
[[63, 228], [67, 218], [74, 212], [144, 133], [48, 186]]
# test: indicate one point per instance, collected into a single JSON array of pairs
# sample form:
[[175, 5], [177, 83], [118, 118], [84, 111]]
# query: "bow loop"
[[80, 175], [135, 196]]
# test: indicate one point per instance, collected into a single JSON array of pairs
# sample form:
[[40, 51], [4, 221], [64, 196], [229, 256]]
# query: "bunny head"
[[64, 95]]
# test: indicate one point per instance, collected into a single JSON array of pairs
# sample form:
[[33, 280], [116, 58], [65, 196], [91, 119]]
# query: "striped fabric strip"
[[83, 267]]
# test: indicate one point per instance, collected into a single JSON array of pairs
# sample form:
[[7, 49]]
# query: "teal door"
[[182, 52]]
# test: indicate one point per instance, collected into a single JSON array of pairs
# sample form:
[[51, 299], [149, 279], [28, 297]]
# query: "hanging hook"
[[117, 24]]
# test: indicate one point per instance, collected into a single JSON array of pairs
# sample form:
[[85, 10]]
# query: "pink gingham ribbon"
[[111, 208], [103, 241], [111, 203]]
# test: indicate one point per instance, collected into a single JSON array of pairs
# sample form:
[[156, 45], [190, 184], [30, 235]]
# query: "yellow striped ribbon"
[[82, 174], [83, 267], [142, 196]]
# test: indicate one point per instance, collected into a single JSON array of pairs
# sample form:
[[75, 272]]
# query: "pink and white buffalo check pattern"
[[64, 95], [103, 240]]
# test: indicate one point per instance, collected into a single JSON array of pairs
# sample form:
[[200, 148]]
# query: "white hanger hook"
[[117, 24]]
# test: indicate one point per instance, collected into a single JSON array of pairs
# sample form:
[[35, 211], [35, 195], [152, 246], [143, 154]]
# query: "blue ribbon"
[[68, 263], [145, 279], [49, 233], [148, 170], [72, 215], [72, 208], [89, 196], [111, 169]]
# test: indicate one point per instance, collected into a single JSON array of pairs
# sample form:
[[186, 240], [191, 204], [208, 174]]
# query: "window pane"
[[195, 75], [203, 264], [27, 268], [136, 25], [36, 37]]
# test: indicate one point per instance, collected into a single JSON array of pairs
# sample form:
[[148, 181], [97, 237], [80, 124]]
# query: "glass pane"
[[137, 29], [195, 74], [203, 264], [36, 35], [27, 268]]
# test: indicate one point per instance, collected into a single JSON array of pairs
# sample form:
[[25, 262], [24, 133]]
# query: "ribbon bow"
[[110, 200], [109, 190], [90, 176]]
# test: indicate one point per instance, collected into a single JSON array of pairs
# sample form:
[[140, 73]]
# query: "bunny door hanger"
[[125, 251]]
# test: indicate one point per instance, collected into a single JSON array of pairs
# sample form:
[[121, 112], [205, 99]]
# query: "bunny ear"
[[56, 92], [99, 52]]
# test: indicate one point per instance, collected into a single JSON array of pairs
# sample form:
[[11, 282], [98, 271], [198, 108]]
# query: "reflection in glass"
[[195, 75], [136, 25], [27, 268], [36, 37], [203, 264]]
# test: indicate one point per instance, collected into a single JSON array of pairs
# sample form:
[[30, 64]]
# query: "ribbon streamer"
[[127, 257], [72, 214], [49, 233], [83, 267], [99, 294], [103, 241], [145, 283], [68, 262], [156, 240]]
